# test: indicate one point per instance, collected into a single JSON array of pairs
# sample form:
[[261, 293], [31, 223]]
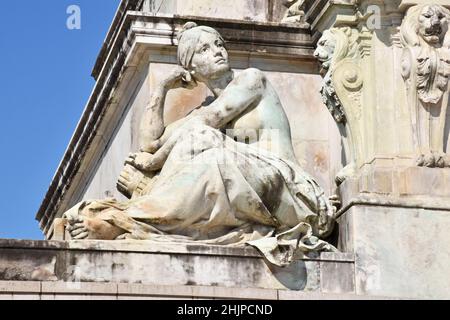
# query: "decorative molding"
[[339, 52], [425, 66]]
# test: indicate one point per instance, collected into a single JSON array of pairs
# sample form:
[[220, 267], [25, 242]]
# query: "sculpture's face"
[[433, 24], [325, 50], [210, 60]]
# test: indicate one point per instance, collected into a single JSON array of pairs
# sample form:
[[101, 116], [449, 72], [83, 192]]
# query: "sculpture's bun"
[[187, 26]]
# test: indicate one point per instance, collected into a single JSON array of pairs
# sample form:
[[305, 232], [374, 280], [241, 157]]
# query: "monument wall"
[[374, 130]]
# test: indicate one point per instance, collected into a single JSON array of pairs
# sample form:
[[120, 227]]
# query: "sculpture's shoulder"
[[252, 78]]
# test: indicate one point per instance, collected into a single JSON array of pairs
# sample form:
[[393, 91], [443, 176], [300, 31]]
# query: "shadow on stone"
[[293, 277]]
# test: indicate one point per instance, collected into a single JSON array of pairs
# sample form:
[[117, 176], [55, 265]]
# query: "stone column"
[[386, 67]]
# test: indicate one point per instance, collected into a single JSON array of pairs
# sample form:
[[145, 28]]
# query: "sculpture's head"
[[325, 50], [429, 23], [201, 51]]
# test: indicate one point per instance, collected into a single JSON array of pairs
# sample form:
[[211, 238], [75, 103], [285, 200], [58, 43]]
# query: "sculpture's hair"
[[409, 30], [188, 38]]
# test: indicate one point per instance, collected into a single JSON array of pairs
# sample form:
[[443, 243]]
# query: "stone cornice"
[[124, 7]]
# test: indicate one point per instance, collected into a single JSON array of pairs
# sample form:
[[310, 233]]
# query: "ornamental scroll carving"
[[338, 54], [425, 66]]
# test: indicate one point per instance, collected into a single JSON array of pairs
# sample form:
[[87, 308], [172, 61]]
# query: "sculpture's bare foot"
[[83, 228]]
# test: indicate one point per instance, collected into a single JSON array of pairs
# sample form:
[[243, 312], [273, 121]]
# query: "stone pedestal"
[[145, 269], [400, 252], [396, 221]]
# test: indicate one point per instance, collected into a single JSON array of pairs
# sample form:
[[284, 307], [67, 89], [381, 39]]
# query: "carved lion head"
[[325, 50], [427, 23], [334, 45]]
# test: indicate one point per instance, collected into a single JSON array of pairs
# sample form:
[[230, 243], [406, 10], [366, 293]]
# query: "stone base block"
[[399, 251], [13, 290], [177, 265]]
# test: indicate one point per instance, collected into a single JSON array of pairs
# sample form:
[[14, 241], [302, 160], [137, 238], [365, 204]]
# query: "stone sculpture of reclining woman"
[[226, 174]]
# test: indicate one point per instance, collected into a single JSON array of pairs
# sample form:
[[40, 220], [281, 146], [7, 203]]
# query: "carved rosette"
[[425, 66]]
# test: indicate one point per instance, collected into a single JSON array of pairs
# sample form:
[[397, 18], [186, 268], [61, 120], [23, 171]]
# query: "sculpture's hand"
[[143, 161], [180, 78], [78, 229]]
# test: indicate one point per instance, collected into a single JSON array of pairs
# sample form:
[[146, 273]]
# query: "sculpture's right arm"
[[152, 123]]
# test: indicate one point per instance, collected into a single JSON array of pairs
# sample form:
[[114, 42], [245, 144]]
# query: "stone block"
[[250, 10], [125, 289], [196, 291], [79, 287], [72, 297], [235, 293], [345, 231], [401, 252], [105, 268], [337, 277], [26, 297], [337, 273], [425, 182], [16, 287], [36, 265], [150, 298]]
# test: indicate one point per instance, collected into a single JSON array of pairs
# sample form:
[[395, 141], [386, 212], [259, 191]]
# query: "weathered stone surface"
[[424, 33], [401, 252], [64, 291], [97, 262]]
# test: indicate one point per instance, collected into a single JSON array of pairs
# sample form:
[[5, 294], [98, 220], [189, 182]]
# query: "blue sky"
[[44, 85]]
